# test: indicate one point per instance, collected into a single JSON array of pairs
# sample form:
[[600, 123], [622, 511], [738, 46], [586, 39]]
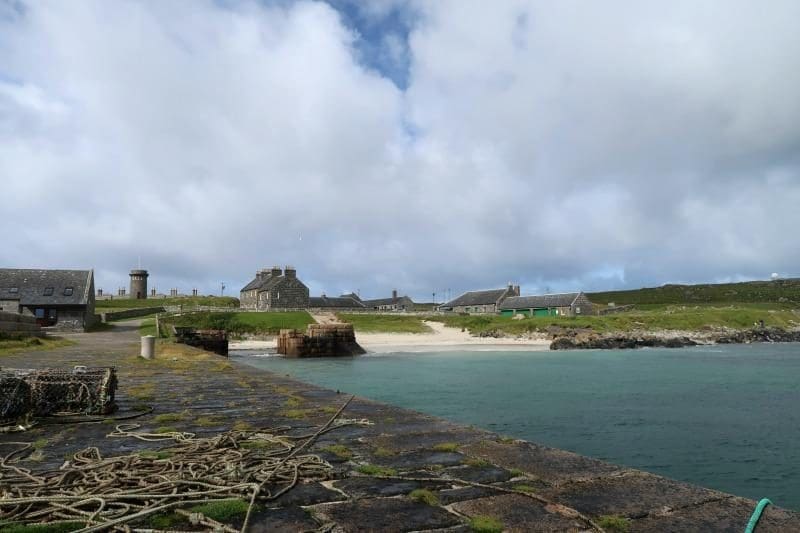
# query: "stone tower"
[[139, 284]]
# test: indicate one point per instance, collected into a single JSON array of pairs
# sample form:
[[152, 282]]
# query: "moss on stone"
[[485, 524], [424, 496]]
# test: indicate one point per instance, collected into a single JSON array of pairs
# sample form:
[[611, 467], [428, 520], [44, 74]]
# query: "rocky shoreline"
[[587, 340]]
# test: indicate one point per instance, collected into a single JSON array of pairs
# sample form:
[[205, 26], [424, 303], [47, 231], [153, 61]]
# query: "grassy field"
[[186, 301], [10, 345], [689, 318], [778, 291], [385, 323], [243, 323]]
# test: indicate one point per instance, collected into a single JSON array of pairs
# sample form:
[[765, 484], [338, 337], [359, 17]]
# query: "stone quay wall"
[[320, 340], [19, 325], [130, 313]]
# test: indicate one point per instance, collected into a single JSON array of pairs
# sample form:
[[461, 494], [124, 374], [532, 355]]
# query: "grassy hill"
[[241, 323], [782, 291], [662, 317], [187, 301], [363, 323]]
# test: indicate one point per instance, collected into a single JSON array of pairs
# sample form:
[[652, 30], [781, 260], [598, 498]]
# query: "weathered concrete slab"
[[519, 514], [728, 514], [633, 494], [550, 464], [386, 515]]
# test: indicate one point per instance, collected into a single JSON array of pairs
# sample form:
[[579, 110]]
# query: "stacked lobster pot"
[[28, 393]]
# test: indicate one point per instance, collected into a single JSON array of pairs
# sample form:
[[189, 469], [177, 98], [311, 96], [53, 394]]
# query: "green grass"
[[785, 290], [424, 496], [63, 527], [170, 417], [375, 470], [385, 323], [188, 301], [667, 317], [485, 524], [10, 344], [148, 327], [446, 447], [237, 323], [343, 452], [614, 523], [223, 511], [524, 488]]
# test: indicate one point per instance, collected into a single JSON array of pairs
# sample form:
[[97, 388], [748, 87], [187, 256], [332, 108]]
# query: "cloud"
[[566, 145]]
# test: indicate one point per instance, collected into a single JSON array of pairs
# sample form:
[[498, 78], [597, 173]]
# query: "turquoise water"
[[722, 417]]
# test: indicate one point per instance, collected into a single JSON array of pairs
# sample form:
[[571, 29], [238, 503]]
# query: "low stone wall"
[[129, 313], [320, 340], [19, 325]]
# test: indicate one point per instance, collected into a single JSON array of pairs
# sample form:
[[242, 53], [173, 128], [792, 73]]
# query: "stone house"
[[567, 304], [273, 289], [395, 303], [345, 302], [59, 299], [480, 302]]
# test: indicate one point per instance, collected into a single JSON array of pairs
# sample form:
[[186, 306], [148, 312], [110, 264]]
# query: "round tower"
[[139, 284]]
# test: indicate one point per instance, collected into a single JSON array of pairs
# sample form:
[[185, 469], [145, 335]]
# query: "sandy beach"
[[441, 338]]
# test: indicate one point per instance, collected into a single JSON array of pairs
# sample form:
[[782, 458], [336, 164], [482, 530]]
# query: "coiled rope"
[[106, 493]]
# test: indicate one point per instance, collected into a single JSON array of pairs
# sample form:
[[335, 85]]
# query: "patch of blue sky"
[[381, 36]]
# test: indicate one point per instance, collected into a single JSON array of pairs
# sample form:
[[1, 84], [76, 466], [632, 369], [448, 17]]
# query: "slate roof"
[[336, 302], [386, 301], [477, 298], [31, 284], [266, 282], [543, 301]]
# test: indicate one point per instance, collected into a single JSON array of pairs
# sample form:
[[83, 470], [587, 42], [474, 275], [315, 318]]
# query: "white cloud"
[[555, 144]]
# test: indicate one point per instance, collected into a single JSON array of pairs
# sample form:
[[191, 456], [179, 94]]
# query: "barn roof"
[[477, 298], [335, 302], [540, 302], [386, 301], [46, 287]]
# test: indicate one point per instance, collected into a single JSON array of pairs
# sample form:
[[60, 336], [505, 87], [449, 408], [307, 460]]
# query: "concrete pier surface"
[[467, 475]]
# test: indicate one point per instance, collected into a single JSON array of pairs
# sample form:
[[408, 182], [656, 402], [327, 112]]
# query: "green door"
[[541, 312], [507, 312]]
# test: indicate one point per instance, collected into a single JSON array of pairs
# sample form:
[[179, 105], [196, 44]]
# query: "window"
[[48, 291], [68, 291], [39, 312], [13, 290]]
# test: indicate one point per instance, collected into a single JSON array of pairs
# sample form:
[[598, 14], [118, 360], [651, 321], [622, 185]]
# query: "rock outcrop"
[[583, 340]]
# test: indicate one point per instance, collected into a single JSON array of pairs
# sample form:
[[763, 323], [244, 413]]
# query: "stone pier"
[[320, 340]]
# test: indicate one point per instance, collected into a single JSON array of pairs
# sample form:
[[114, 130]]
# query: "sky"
[[423, 146]]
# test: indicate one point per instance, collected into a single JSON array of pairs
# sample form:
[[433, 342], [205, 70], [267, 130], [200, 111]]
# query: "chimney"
[[394, 295], [516, 290], [290, 272], [275, 272]]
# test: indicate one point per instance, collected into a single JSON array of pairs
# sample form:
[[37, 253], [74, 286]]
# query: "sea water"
[[725, 417]]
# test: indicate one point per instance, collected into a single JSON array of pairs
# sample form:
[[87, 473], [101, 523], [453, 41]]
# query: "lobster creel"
[[53, 391]]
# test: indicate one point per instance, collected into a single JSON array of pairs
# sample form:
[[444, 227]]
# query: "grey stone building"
[[567, 304], [273, 289], [480, 302], [395, 303], [345, 302], [61, 299], [139, 284]]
